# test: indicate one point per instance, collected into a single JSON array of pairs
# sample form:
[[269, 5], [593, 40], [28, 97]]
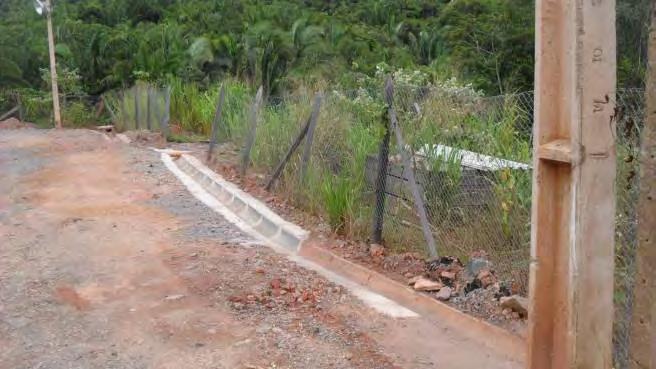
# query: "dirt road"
[[107, 262]]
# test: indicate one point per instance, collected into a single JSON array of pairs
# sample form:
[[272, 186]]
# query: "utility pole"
[[46, 7]]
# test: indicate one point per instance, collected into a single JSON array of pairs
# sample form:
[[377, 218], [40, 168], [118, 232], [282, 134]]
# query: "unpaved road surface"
[[107, 262]]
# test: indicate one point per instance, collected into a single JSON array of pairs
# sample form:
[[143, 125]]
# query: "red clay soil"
[[108, 262]]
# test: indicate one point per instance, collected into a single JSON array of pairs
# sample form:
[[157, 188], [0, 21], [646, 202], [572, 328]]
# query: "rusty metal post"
[[407, 162], [307, 150]]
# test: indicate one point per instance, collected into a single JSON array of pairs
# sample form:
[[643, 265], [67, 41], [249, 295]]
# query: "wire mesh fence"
[[470, 155], [630, 120]]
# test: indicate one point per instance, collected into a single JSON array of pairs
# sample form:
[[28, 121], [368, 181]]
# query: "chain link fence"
[[473, 166], [471, 157]]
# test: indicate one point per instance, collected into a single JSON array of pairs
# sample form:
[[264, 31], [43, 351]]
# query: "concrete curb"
[[494, 337], [374, 289], [267, 223], [281, 235]]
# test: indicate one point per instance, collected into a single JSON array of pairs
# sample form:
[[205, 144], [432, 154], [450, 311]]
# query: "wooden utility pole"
[[53, 66], [643, 322], [573, 215]]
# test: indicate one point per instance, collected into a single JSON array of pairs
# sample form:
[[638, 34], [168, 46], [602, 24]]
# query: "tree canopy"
[[281, 43]]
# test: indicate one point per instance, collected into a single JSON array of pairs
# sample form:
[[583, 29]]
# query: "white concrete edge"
[[247, 198], [376, 301], [123, 138], [210, 201]]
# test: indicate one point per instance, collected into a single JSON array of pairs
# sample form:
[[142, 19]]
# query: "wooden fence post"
[[250, 139], [123, 112], [407, 162], [136, 106], [215, 124], [149, 94], [642, 353], [21, 110], [166, 129], [307, 150], [573, 214]]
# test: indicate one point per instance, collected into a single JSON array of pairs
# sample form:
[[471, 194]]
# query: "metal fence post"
[[250, 139], [381, 184], [307, 150], [295, 144], [215, 124], [412, 182]]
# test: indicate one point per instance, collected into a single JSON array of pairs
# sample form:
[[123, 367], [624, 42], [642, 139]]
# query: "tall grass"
[[350, 128]]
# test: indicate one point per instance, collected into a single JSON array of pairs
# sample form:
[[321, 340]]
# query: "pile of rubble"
[[284, 293], [473, 287]]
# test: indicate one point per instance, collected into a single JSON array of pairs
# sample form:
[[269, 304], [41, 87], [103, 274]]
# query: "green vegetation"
[[280, 44], [445, 56]]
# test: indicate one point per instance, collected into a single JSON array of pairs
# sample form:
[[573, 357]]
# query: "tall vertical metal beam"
[[572, 227]]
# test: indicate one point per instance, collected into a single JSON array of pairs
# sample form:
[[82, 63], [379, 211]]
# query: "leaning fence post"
[[307, 150], [381, 183], [412, 182], [250, 139], [297, 142], [215, 124]]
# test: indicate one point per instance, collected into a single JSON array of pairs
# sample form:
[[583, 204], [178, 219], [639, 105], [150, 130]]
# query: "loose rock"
[[516, 303], [174, 297], [448, 275], [413, 280], [425, 284], [444, 293], [376, 250]]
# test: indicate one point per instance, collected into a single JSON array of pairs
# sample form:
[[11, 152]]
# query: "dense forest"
[[105, 44]]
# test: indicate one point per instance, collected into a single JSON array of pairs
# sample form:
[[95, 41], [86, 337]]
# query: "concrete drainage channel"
[[256, 219]]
